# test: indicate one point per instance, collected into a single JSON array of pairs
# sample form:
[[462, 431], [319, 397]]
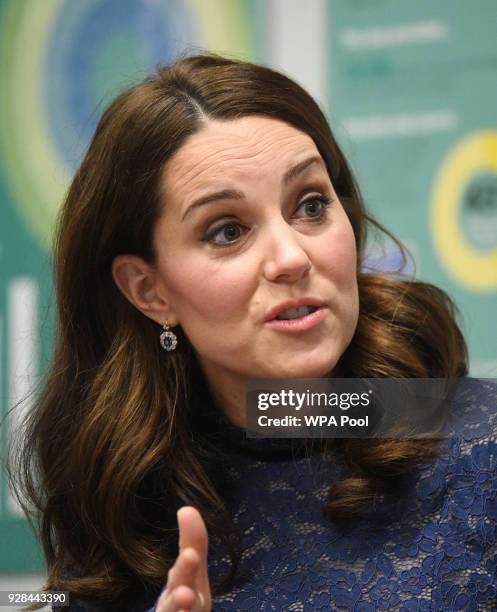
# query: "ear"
[[138, 282]]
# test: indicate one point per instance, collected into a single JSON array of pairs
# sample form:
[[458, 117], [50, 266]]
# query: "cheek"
[[338, 257], [206, 289]]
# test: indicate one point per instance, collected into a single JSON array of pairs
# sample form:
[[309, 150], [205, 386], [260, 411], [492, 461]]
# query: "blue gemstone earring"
[[168, 339]]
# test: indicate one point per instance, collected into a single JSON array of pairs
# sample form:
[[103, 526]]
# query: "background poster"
[[412, 91]]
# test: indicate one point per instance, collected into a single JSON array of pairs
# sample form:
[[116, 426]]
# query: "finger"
[[184, 570], [200, 602], [193, 533], [192, 530], [181, 598]]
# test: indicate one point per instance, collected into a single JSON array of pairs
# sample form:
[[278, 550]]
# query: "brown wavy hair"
[[106, 458]]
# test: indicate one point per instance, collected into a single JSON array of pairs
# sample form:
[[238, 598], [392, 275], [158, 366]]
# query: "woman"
[[214, 198]]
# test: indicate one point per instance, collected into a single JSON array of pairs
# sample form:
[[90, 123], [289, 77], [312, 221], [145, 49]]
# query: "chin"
[[311, 368]]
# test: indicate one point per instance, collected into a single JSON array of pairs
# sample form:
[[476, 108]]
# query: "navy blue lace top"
[[434, 549]]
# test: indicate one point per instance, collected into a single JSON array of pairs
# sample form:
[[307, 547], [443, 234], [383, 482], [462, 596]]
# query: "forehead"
[[240, 148]]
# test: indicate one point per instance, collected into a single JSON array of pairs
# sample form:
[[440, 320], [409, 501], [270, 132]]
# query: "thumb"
[[193, 533]]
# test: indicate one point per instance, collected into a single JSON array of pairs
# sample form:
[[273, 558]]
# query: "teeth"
[[294, 313]]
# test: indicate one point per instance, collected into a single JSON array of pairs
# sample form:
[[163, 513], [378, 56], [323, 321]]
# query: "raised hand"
[[188, 588]]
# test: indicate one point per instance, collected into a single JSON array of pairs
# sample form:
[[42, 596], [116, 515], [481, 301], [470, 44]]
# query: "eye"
[[317, 206], [227, 230]]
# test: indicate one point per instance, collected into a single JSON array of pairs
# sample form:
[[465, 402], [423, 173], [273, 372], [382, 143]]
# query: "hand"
[[188, 588]]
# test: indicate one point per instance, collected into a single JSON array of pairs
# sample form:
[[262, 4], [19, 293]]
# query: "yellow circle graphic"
[[470, 267]]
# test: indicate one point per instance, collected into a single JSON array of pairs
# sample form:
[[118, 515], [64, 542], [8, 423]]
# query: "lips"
[[310, 301]]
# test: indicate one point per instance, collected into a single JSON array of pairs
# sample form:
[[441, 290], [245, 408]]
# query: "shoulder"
[[472, 468], [465, 472], [473, 411], [457, 495]]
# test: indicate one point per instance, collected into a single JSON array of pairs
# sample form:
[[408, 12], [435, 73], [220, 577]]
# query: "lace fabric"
[[435, 549]]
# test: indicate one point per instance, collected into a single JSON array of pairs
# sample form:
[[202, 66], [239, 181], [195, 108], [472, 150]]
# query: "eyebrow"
[[232, 194]]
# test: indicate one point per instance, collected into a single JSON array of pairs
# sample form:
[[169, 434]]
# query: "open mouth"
[[299, 319], [295, 313]]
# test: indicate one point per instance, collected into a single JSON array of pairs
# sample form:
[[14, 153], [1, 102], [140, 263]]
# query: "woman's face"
[[224, 264]]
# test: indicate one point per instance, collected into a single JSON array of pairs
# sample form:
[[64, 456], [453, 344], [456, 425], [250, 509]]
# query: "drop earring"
[[168, 339]]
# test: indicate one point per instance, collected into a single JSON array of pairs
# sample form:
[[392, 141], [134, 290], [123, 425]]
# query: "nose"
[[285, 258]]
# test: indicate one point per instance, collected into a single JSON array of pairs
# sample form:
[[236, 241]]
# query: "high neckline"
[[213, 425]]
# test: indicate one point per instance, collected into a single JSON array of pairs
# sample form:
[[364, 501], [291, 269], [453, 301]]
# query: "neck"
[[232, 404], [228, 393]]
